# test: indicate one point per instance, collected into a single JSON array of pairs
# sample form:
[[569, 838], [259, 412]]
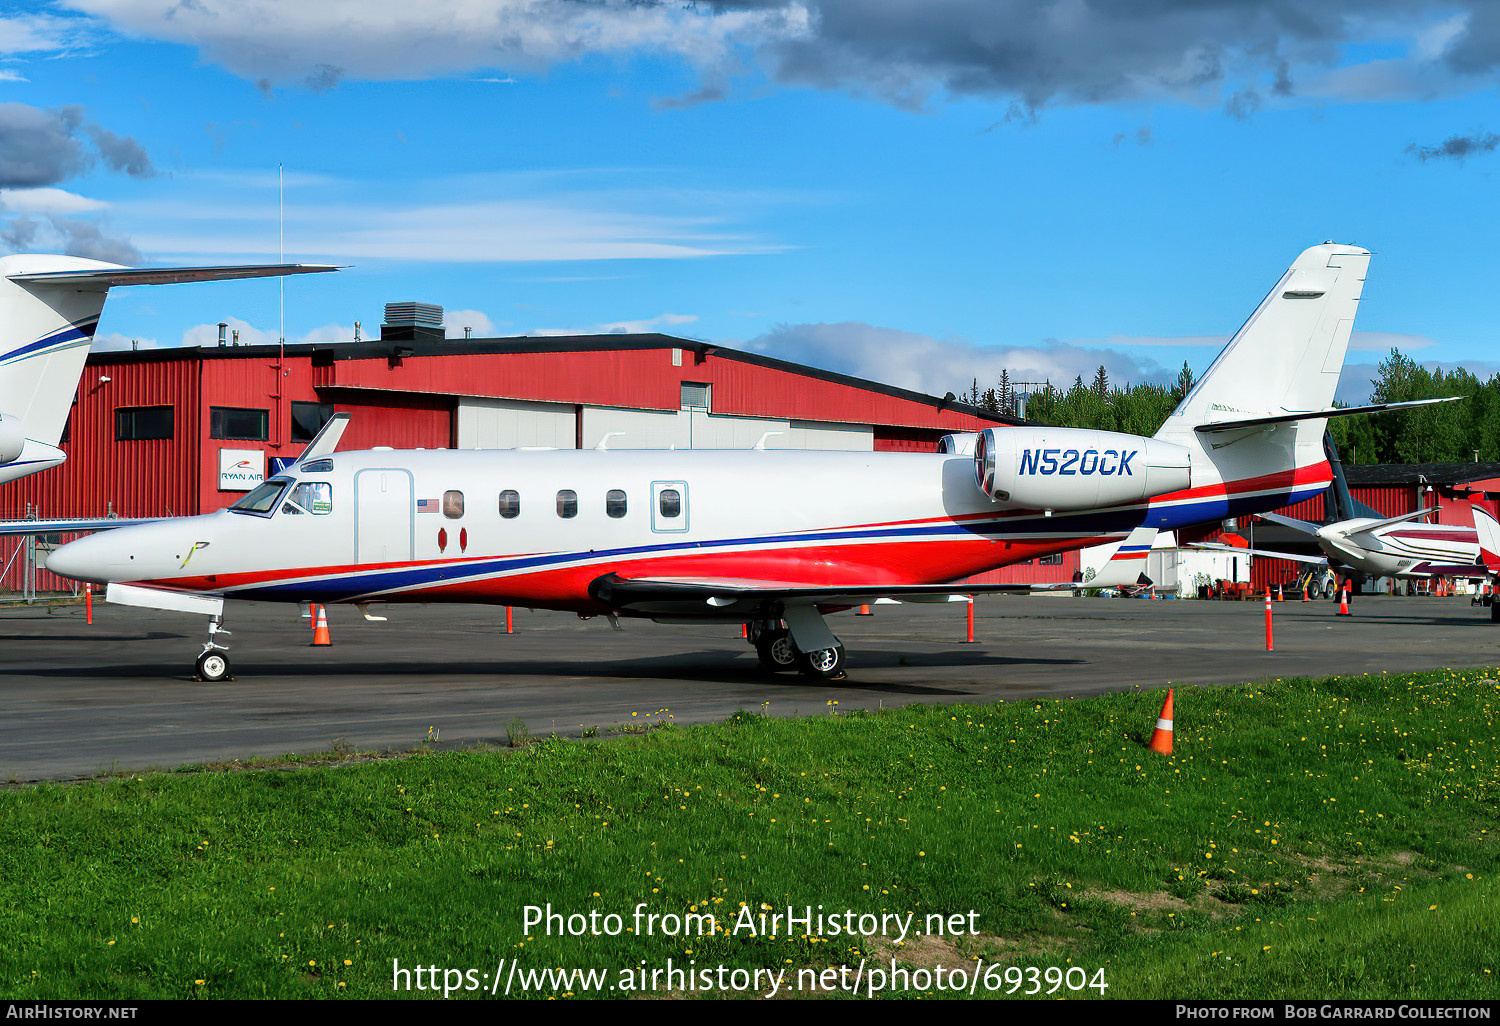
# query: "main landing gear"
[[213, 661], [777, 649]]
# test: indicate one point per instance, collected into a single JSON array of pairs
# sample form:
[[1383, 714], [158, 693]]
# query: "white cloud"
[[582, 215], [1385, 341], [932, 365], [47, 201], [661, 322], [455, 321]]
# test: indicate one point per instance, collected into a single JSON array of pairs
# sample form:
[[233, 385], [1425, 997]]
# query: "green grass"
[[1291, 848]]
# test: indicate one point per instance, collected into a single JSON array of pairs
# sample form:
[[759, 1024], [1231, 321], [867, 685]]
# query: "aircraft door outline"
[[384, 515]]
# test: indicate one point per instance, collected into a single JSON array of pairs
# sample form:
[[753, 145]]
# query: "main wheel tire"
[[776, 651], [1328, 588], [1495, 612], [213, 667], [823, 663]]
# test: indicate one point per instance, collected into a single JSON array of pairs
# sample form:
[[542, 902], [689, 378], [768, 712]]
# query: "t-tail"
[[49, 310], [1254, 422]]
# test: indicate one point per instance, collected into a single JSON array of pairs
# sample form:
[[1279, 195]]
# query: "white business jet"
[[49, 308], [773, 539]]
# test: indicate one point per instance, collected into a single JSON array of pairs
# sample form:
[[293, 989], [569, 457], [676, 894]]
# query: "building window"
[[614, 503], [308, 419], [696, 396], [567, 503], [510, 504], [244, 425], [1053, 560], [142, 423], [453, 505], [671, 502]]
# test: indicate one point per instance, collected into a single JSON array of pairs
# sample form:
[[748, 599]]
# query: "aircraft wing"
[[70, 526], [1304, 526], [106, 278], [1269, 553], [678, 595]]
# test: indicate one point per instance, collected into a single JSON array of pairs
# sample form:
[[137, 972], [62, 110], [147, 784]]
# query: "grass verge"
[[1293, 847]]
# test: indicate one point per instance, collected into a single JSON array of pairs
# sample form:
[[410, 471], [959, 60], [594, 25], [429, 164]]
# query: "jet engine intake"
[[1072, 468]]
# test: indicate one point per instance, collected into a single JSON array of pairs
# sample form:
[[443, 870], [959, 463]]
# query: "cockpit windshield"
[[262, 501]]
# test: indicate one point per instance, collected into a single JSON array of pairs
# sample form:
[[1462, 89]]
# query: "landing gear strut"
[[779, 652], [213, 661]]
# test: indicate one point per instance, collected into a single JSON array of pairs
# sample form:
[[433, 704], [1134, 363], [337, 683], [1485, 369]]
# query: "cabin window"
[[614, 503], [243, 425], [142, 423], [510, 504], [567, 503], [453, 505], [671, 502], [315, 497], [262, 499]]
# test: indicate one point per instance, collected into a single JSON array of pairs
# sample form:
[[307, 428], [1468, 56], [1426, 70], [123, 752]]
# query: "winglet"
[[1126, 567]]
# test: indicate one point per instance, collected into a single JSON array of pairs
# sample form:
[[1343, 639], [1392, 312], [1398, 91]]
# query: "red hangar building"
[[182, 431]]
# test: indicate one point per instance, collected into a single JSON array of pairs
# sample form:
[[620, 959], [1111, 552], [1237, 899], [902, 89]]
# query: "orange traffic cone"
[[1304, 594], [1280, 595], [320, 632], [1161, 740], [864, 611], [1344, 601]]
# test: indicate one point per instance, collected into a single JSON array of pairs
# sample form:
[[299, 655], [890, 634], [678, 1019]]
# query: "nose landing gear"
[[213, 661]]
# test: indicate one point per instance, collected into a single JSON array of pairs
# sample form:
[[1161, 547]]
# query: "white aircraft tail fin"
[[1270, 388], [1287, 357], [1489, 537], [1126, 566], [49, 309]]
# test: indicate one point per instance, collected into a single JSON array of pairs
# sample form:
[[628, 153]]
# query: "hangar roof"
[[328, 354], [1365, 474]]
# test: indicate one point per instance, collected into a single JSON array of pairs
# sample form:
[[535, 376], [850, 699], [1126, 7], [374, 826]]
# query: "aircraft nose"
[[87, 559]]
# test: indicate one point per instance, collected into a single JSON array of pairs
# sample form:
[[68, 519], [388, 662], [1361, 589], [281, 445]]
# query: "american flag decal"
[[427, 505]]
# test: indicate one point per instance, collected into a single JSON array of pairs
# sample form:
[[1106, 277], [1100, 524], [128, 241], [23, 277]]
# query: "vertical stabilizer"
[[45, 333], [1285, 360]]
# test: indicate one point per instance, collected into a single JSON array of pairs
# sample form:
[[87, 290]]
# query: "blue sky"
[[921, 193]]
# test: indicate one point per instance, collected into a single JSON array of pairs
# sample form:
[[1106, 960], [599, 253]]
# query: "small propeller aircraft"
[[49, 309], [773, 539]]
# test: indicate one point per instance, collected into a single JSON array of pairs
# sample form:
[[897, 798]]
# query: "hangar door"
[[514, 423]]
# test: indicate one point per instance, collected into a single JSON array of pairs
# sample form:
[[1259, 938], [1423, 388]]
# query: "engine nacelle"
[[960, 444], [1071, 468], [12, 438]]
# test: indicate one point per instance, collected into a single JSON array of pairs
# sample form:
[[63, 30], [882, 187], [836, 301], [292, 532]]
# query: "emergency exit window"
[[671, 502]]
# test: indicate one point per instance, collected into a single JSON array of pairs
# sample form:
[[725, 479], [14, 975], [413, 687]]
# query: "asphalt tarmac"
[[120, 694]]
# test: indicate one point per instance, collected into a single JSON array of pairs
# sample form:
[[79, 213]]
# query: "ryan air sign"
[[241, 469]]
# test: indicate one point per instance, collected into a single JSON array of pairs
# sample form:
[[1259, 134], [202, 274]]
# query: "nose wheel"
[[213, 662]]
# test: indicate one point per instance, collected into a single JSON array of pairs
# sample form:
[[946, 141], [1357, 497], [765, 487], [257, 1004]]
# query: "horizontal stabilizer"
[[100, 280], [1268, 553], [1392, 522], [1306, 527], [1332, 411]]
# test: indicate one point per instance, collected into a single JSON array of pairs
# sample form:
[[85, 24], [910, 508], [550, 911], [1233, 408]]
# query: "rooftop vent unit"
[[412, 321]]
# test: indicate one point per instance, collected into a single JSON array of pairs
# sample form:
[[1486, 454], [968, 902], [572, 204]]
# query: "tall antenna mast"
[[281, 281]]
